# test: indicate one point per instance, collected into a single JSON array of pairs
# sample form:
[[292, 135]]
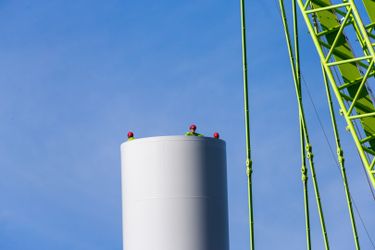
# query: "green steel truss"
[[349, 70], [370, 8]]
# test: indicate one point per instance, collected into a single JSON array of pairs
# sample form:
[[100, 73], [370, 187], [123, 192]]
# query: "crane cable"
[[249, 169], [334, 158], [338, 165], [330, 147], [339, 79], [294, 62]]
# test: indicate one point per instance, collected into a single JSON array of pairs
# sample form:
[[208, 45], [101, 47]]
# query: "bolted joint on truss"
[[304, 173], [249, 167], [309, 155]]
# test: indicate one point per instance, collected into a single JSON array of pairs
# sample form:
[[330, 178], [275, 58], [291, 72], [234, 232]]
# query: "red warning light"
[[130, 134], [193, 127]]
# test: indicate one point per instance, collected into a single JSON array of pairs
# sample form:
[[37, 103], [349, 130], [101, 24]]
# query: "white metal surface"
[[174, 191]]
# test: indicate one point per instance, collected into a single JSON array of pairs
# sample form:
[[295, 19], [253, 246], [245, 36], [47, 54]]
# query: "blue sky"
[[75, 76]]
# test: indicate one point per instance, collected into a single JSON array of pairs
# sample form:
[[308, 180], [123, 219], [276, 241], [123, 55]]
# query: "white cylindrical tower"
[[174, 191]]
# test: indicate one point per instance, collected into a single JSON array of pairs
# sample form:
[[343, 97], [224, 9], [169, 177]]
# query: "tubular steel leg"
[[340, 157], [249, 169], [308, 148]]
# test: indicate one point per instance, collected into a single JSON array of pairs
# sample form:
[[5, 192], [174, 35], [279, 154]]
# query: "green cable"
[[249, 169], [341, 160], [302, 138], [296, 77]]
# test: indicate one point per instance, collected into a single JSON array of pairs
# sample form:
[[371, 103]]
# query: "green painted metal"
[[302, 134], [353, 71], [306, 150], [304, 170], [341, 161], [249, 168], [193, 134], [340, 152], [370, 8]]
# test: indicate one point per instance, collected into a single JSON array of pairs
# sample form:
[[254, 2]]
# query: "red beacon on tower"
[[193, 127], [216, 135], [192, 131], [130, 136]]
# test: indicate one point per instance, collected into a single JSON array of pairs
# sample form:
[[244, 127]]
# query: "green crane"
[[346, 70], [327, 23]]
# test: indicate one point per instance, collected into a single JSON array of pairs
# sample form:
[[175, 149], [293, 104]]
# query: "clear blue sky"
[[75, 76]]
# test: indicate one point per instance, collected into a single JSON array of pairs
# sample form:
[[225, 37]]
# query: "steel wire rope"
[[326, 137], [360, 132], [334, 157], [355, 123], [340, 80], [330, 146]]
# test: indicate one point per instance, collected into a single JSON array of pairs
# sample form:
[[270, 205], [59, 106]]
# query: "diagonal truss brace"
[[350, 106]]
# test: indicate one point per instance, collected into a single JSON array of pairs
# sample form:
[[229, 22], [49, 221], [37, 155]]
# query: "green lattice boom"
[[349, 70]]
